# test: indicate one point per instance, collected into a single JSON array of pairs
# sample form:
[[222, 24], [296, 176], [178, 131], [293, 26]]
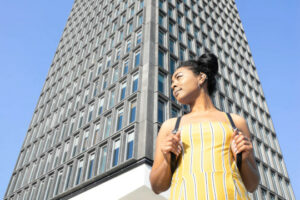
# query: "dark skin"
[[193, 92]]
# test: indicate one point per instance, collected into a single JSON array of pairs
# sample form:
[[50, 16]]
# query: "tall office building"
[[107, 93]]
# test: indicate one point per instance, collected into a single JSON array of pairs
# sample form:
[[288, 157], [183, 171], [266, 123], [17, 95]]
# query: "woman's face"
[[185, 85]]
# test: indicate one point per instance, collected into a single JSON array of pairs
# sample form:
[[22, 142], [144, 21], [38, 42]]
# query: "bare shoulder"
[[167, 126], [240, 123]]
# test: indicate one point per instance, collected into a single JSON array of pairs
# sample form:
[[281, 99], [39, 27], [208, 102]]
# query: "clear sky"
[[30, 32]]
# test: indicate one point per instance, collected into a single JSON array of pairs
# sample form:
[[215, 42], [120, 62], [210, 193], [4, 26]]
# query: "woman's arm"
[[166, 142], [242, 143]]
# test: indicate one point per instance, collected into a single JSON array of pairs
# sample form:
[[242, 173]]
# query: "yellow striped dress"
[[206, 168]]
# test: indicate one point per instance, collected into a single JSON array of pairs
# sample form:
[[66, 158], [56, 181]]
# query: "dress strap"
[[239, 155], [173, 156]]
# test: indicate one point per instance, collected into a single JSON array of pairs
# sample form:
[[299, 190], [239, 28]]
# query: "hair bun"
[[209, 62]]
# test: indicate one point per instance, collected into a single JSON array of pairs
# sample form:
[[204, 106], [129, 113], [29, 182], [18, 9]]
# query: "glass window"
[[161, 20], [132, 111], [125, 67], [58, 182], [66, 149], [69, 173], [135, 83], [100, 108], [119, 119], [161, 83], [171, 28], [103, 158], [175, 112], [161, 38], [171, 46], [182, 54], [128, 46], [116, 150], [85, 140], [140, 19], [137, 59], [75, 145], [90, 115], [161, 56], [138, 37], [123, 91], [79, 171], [130, 27], [129, 146], [172, 65], [116, 74], [80, 119], [161, 111], [90, 173], [107, 126], [112, 99]]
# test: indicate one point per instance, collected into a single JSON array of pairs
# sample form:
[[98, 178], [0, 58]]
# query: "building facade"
[[108, 91]]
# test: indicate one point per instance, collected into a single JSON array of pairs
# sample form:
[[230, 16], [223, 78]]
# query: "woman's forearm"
[[160, 178], [250, 175]]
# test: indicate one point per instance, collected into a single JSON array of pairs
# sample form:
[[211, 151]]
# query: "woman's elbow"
[[251, 188]]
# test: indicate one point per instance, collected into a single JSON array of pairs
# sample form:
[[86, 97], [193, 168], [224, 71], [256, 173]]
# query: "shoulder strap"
[[173, 157], [239, 155], [176, 125], [231, 121]]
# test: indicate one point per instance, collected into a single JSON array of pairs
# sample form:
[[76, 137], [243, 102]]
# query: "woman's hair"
[[207, 63]]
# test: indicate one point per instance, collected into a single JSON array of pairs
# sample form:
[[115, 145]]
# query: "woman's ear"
[[202, 77]]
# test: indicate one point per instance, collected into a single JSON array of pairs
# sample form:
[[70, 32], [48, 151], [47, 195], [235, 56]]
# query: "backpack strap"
[[239, 155], [173, 156]]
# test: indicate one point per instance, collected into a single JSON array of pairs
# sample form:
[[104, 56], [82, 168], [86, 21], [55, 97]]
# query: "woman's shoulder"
[[238, 120], [168, 125]]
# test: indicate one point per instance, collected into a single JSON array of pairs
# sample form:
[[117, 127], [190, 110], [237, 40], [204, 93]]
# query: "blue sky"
[[30, 32]]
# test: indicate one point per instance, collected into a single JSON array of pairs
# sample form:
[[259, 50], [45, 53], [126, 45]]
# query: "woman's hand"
[[171, 143], [241, 143]]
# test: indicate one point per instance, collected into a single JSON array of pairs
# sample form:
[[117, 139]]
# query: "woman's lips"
[[176, 93]]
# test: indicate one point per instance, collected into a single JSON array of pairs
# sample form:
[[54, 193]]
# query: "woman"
[[205, 144]]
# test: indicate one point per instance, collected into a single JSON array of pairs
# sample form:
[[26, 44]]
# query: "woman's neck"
[[202, 104]]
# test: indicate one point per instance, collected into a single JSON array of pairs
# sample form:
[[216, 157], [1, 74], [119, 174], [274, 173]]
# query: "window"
[[108, 61], [161, 111], [119, 119], [66, 149], [116, 149], [79, 171], [129, 145], [135, 83], [141, 4], [128, 46], [90, 173], [175, 112], [172, 65], [57, 157], [125, 67], [161, 38], [86, 95], [140, 19], [58, 182], [90, 115], [131, 11], [48, 188], [161, 83], [80, 119], [69, 173], [180, 36], [103, 158], [116, 74], [100, 109], [75, 145], [171, 46], [123, 91], [85, 140], [190, 43], [130, 28], [112, 98], [121, 35], [179, 19], [107, 126], [118, 54], [161, 56], [161, 20], [171, 28], [138, 38], [132, 111], [182, 54], [137, 59]]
